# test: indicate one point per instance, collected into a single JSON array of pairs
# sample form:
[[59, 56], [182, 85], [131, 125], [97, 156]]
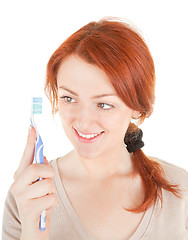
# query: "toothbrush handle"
[[43, 220], [39, 158], [42, 217]]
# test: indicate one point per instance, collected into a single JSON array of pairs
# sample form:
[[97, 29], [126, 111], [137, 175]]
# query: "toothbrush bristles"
[[37, 105]]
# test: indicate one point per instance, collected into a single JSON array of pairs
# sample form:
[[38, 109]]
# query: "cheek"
[[65, 114], [118, 121], [117, 125]]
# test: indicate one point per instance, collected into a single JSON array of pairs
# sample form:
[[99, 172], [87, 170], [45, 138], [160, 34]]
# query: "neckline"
[[76, 222]]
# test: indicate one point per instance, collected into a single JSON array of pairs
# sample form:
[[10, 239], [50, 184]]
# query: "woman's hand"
[[33, 196]]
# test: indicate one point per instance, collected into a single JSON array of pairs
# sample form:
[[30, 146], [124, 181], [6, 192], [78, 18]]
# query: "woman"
[[100, 79]]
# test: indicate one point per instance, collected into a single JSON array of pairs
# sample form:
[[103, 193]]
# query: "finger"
[[28, 155], [39, 204], [40, 188], [34, 172]]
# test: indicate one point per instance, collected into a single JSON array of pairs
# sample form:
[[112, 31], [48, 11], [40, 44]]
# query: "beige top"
[[170, 223]]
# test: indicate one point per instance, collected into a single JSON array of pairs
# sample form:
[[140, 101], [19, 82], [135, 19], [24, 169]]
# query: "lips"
[[88, 140], [87, 134]]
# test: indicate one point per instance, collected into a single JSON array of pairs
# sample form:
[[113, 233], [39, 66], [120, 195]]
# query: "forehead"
[[77, 73]]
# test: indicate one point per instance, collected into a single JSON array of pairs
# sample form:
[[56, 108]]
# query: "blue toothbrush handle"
[[42, 223], [39, 158], [43, 220]]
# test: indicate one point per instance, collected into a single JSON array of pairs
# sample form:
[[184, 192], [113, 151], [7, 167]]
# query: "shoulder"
[[172, 210], [174, 173]]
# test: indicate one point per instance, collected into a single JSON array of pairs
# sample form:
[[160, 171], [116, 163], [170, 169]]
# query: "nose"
[[85, 118]]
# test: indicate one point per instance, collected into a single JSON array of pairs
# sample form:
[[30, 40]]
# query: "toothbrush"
[[38, 157]]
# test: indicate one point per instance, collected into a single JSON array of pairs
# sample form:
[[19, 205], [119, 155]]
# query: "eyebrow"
[[98, 96]]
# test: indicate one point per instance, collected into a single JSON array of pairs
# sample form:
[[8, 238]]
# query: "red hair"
[[122, 54]]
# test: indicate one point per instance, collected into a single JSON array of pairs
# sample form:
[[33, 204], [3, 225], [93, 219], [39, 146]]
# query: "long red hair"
[[122, 54]]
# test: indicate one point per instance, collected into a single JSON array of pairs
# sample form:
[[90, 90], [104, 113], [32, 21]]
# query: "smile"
[[89, 137]]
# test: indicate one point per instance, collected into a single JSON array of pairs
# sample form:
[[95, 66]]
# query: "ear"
[[136, 115]]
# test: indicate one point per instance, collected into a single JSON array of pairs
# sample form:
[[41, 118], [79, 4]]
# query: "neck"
[[107, 166]]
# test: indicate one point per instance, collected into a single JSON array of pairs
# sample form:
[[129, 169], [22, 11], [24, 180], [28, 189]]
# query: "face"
[[88, 104]]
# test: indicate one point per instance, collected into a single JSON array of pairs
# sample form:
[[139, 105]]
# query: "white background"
[[31, 31]]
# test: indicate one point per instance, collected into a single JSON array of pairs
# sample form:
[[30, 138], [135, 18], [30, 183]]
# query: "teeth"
[[87, 136]]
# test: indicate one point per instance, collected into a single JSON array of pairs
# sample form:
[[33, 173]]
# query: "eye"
[[105, 106], [67, 99]]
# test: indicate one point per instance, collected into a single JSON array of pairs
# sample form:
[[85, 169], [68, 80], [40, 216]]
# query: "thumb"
[[29, 151]]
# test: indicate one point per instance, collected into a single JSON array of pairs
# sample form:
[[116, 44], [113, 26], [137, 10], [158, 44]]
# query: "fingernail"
[[46, 161], [30, 127]]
